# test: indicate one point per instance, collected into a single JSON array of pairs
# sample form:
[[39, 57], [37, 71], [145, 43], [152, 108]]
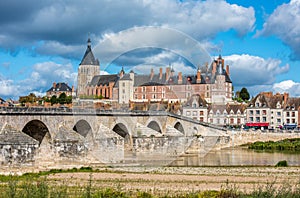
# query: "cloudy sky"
[[42, 42]]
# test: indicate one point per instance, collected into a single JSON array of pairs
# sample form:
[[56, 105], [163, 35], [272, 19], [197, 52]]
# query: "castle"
[[212, 82]]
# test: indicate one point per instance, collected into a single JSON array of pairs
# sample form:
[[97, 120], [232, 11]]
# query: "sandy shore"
[[182, 179]]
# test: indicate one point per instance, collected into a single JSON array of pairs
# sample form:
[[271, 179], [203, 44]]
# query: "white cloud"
[[293, 88], [113, 45], [247, 70], [284, 23], [8, 88], [74, 19], [40, 79]]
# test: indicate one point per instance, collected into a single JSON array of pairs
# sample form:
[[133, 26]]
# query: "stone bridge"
[[102, 136]]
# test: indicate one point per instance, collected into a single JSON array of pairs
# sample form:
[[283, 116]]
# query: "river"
[[237, 156]]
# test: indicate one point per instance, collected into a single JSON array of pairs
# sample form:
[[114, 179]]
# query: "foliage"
[[244, 94], [41, 187], [91, 97], [282, 163], [31, 98], [62, 99], [290, 145]]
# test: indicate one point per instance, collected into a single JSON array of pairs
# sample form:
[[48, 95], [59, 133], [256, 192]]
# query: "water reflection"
[[237, 157]]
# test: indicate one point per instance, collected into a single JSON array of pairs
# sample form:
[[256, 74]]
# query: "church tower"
[[88, 68]]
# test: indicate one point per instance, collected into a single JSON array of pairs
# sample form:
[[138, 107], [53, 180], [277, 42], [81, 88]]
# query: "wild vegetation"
[[287, 145], [38, 185]]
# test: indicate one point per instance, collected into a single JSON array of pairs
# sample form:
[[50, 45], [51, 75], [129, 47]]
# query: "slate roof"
[[60, 87], [198, 98], [88, 58], [271, 101], [235, 108], [293, 103], [103, 79]]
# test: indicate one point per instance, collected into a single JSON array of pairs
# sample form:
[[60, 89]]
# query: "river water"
[[237, 156]]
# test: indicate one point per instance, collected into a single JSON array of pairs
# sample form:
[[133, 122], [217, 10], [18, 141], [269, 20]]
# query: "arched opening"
[[154, 125], [82, 127], [121, 130], [178, 126], [36, 129]]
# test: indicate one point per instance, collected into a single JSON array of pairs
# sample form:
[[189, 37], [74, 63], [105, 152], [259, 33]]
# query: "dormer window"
[[257, 104]]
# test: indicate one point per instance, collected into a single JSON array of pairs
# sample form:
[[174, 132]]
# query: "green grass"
[[42, 188], [287, 145]]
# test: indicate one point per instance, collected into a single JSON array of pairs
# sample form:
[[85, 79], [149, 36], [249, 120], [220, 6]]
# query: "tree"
[[53, 99], [244, 94], [62, 98]]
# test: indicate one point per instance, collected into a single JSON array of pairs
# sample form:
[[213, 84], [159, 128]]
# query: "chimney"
[[151, 74], [54, 85], [72, 88], [285, 97], [227, 70], [179, 77], [198, 77], [160, 73], [167, 73]]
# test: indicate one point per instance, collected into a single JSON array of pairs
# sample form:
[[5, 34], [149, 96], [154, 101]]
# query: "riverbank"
[[171, 181]]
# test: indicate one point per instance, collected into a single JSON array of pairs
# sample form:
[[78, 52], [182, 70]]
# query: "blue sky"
[[42, 42]]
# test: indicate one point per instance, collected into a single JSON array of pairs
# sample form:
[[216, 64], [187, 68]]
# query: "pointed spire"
[[88, 58]]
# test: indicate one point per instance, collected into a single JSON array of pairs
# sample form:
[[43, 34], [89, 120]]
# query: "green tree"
[[53, 100], [62, 98], [244, 94], [69, 99]]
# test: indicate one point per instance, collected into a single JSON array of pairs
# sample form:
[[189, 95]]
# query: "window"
[[188, 113], [201, 119], [201, 113], [154, 88], [135, 96], [257, 119], [293, 114], [231, 120], [144, 89], [257, 112], [123, 91], [257, 104], [239, 121], [264, 119], [251, 112], [194, 113], [278, 113], [264, 112], [288, 114], [123, 84], [144, 96], [293, 120], [279, 120], [251, 119], [288, 121]]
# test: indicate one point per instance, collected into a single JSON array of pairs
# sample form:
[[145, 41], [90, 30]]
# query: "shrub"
[[282, 163]]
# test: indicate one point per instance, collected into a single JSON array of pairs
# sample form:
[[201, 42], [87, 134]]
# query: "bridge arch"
[[36, 129], [121, 130], [155, 126], [82, 127], [178, 126]]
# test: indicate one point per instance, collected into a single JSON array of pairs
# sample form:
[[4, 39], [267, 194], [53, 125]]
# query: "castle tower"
[[88, 68]]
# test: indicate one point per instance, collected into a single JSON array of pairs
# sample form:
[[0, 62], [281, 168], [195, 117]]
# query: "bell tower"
[[88, 68]]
